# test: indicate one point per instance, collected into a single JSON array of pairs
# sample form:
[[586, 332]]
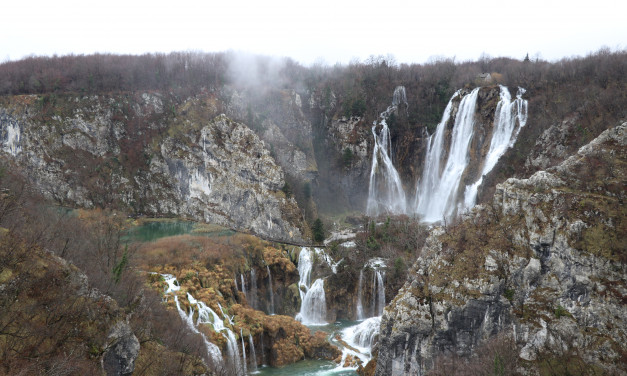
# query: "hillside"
[[259, 161]]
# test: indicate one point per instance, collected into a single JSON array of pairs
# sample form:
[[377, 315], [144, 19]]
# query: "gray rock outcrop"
[[544, 264], [123, 349]]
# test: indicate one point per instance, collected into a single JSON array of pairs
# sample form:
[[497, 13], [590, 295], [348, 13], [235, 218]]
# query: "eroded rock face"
[[115, 151], [224, 174], [556, 283]]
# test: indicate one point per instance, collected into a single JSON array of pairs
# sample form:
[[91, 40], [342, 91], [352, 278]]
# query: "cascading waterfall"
[[271, 310], [385, 191], [253, 355], [360, 307], [213, 351], [438, 198], [509, 118], [440, 193], [208, 316], [313, 308]]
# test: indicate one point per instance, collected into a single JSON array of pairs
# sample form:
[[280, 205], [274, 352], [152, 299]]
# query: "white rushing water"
[[271, 291], [440, 192], [509, 118], [213, 351], [377, 265], [439, 200], [362, 336], [313, 308], [385, 190], [208, 316]]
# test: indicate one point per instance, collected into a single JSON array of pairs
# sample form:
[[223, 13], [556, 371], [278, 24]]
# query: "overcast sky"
[[317, 30]]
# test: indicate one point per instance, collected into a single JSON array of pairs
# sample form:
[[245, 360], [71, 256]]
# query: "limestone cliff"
[[544, 264], [150, 154]]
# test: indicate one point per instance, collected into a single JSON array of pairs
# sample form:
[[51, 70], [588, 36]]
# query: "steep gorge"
[[540, 265]]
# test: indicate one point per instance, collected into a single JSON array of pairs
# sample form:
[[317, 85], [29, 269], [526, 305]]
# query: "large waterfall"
[[447, 186], [385, 192], [437, 193]]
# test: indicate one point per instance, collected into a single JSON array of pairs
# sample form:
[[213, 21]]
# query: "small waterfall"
[[253, 355], [271, 290], [263, 351], [244, 364], [360, 307], [380, 291], [305, 263], [385, 191], [241, 276], [378, 286], [252, 299], [11, 139], [232, 349], [235, 280], [313, 308], [208, 316], [373, 307], [438, 192], [509, 118]]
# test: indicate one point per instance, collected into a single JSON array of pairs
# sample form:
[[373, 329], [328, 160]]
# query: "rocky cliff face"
[[150, 154], [544, 264]]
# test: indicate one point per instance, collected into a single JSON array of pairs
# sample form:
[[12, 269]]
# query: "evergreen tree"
[[318, 231]]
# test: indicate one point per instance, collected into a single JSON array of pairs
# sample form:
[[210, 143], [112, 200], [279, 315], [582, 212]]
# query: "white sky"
[[315, 31]]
